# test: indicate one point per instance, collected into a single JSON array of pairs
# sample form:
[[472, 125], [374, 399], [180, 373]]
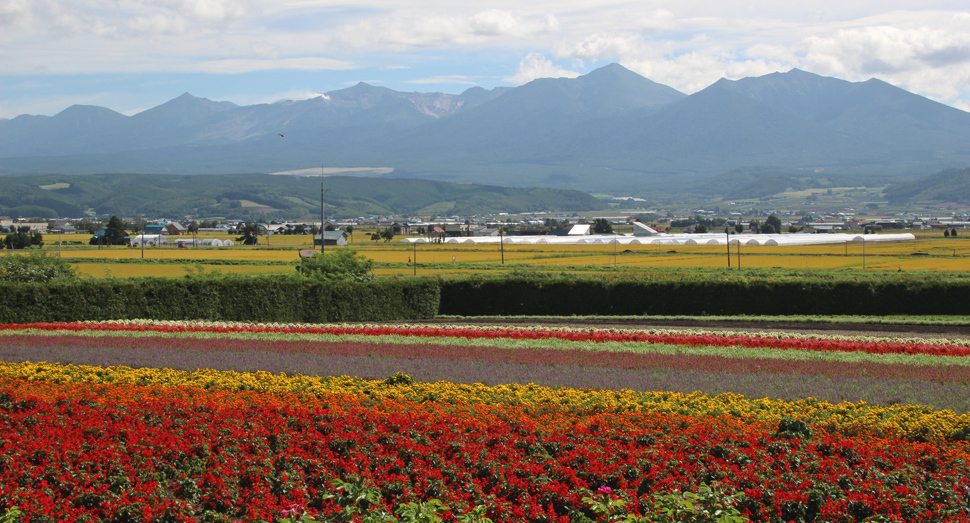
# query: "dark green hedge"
[[300, 300], [237, 299], [580, 296]]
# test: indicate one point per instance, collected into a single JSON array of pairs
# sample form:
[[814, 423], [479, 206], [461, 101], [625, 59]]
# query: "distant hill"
[[261, 196], [757, 182], [950, 185], [610, 131]]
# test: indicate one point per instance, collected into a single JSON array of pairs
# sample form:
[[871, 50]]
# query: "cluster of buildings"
[[571, 228]]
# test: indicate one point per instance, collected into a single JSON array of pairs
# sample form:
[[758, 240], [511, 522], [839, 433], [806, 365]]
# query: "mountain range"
[[610, 131]]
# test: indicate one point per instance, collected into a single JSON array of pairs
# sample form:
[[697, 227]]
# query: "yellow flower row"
[[911, 421]]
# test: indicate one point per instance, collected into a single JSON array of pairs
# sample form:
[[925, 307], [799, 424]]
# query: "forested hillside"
[[250, 196]]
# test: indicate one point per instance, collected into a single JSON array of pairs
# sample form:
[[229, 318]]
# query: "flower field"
[[198, 421]]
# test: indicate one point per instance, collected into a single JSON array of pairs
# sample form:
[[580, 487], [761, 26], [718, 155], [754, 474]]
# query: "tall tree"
[[774, 222], [602, 226], [250, 234], [114, 232]]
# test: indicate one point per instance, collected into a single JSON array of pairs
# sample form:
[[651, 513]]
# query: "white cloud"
[[413, 29], [921, 46], [535, 66], [126, 18], [929, 59], [608, 46]]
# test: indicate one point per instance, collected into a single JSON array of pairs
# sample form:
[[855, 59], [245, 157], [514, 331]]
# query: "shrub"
[[35, 268], [338, 264]]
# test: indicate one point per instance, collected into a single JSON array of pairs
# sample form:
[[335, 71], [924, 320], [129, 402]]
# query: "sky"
[[132, 55]]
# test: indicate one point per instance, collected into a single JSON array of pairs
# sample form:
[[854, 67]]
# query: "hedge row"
[[237, 299], [580, 296], [300, 300]]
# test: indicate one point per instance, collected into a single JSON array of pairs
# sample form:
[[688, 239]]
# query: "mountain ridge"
[[611, 130]]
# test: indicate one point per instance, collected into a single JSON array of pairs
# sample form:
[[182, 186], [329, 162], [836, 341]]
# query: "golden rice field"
[[930, 252]]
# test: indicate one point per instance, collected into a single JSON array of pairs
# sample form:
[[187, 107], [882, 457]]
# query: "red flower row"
[[71, 452], [716, 340]]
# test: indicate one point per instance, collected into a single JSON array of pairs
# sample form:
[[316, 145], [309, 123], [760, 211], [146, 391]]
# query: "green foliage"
[[24, 238], [611, 509], [789, 428], [355, 500], [250, 234], [269, 298], [774, 223], [602, 226], [421, 511], [707, 505], [698, 292], [35, 267], [115, 231], [292, 197], [399, 378], [11, 515], [337, 264]]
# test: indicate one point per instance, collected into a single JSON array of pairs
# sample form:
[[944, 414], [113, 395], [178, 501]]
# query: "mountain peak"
[[89, 113], [184, 107], [607, 90], [613, 68]]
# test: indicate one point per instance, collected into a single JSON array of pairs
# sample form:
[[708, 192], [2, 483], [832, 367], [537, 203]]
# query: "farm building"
[[337, 238]]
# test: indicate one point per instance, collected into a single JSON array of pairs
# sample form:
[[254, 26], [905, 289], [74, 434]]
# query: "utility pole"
[[727, 236], [323, 192]]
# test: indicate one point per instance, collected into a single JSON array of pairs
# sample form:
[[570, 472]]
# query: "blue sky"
[[131, 55]]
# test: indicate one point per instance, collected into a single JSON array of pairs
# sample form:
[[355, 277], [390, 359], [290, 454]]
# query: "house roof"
[[579, 229], [640, 229], [332, 235]]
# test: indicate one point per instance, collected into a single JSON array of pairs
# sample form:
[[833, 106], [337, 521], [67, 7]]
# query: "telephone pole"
[[323, 192]]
